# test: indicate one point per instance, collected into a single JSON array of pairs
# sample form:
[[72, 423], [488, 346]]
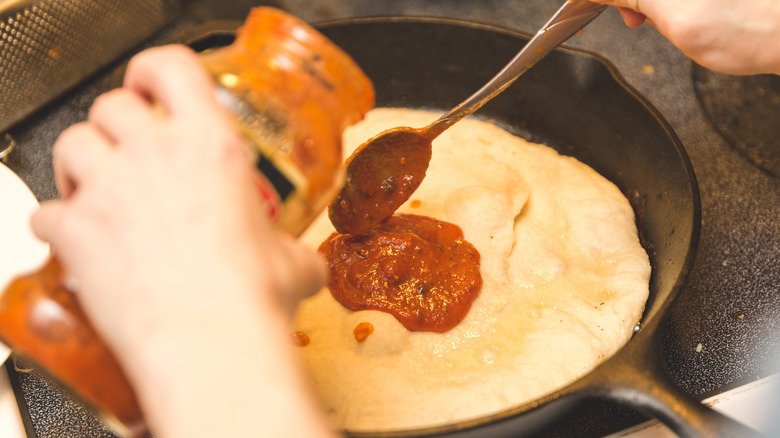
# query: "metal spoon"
[[383, 172]]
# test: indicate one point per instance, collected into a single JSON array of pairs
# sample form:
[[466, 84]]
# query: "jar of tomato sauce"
[[292, 92]]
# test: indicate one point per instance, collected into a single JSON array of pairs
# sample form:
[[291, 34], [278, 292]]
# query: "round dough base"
[[565, 282]]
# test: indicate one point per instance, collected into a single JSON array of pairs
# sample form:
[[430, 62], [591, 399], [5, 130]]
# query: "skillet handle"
[[637, 376]]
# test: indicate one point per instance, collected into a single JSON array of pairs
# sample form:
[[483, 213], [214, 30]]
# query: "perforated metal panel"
[[48, 46]]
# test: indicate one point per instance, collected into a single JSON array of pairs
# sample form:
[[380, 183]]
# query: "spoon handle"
[[570, 18]]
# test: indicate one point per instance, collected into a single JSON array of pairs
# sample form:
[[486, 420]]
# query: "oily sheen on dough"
[[565, 282]]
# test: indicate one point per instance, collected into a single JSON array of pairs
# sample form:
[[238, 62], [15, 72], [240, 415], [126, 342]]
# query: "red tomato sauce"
[[419, 269]]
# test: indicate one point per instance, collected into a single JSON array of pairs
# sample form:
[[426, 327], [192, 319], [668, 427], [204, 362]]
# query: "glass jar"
[[292, 93]]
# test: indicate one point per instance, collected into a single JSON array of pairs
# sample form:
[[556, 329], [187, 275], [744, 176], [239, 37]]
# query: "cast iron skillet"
[[578, 104]]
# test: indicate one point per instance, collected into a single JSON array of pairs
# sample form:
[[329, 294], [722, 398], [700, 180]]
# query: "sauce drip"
[[300, 339], [419, 269], [362, 331]]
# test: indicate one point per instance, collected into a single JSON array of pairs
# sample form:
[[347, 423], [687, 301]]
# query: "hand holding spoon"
[[383, 172]]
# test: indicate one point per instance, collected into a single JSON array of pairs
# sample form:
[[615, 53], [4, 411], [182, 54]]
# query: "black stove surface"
[[744, 111], [731, 303]]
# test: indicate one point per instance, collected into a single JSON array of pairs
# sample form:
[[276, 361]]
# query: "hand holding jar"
[[173, 256], [165, 306]]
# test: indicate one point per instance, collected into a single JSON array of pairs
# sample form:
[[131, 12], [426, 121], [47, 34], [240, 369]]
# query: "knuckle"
[[685, 28], [106, 102], [161, 61], [68, 138]]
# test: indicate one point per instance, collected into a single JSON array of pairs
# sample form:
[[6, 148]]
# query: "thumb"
[[631, 17], [46, 221], [630, 10]]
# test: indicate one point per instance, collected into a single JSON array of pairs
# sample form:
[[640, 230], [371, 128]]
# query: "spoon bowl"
[[381, 175]]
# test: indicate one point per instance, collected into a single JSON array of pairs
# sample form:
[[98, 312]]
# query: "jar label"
[[283, 186]]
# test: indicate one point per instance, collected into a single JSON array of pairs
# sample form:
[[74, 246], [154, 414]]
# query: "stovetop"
[[721, 332]]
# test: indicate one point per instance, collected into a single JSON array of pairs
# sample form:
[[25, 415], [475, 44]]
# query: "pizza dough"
[[565, 282]]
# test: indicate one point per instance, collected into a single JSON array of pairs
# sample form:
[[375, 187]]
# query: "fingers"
[[302, 272], [314, 269], [122, 114], [173, 77], [631, 17], [46, 220], [115, 116], [79, 151]]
